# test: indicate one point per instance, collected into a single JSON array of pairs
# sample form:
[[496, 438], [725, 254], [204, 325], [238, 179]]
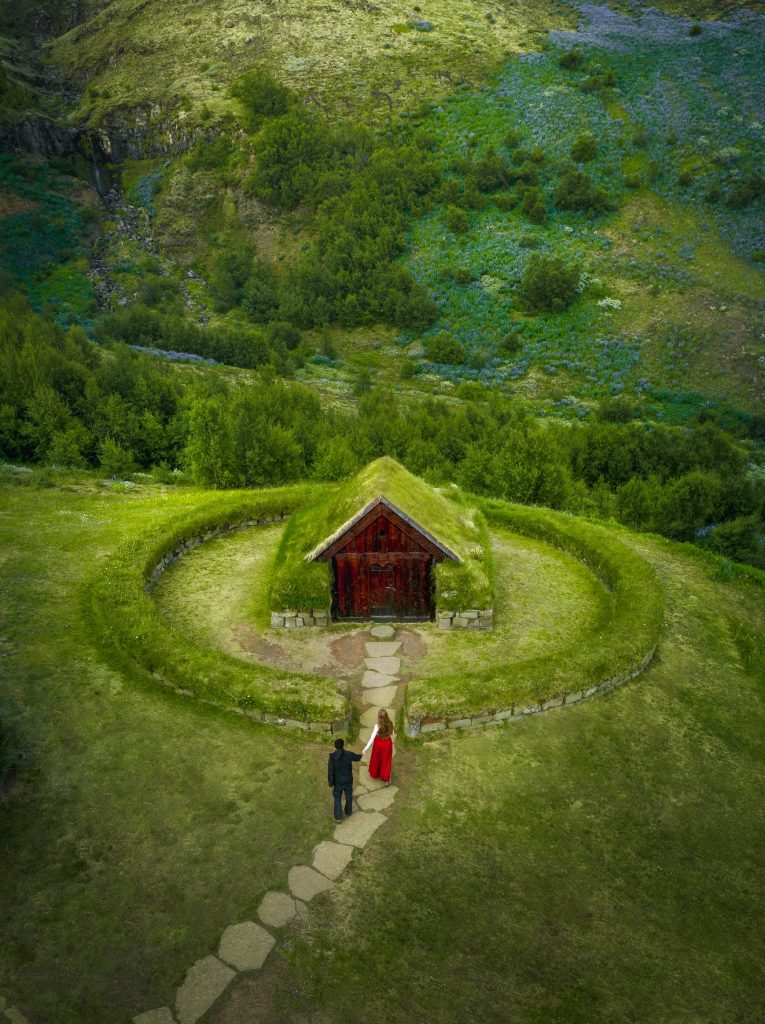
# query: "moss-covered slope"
[[297, 583]]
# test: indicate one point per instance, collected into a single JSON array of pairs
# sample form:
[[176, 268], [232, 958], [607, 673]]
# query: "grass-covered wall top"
[[300, 584]]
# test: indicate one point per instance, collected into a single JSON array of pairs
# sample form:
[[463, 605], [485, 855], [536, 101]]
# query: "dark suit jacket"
[[340, 767]]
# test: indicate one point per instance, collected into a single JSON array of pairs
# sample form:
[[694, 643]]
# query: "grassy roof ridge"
[[419, 501]]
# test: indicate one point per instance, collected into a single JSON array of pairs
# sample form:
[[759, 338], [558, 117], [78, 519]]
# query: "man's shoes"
[[348, 814], [339, 821]]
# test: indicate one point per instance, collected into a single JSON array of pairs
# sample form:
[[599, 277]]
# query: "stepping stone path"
[[244, 947], [276, 909]]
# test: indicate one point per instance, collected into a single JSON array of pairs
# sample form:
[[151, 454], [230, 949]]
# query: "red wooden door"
[[382, 588]]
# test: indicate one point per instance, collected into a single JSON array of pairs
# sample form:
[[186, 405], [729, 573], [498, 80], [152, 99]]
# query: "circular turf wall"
[[129, 624], [599, 659]]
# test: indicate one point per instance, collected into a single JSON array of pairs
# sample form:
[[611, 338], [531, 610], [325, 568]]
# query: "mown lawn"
[[589, 866], [141, 824]]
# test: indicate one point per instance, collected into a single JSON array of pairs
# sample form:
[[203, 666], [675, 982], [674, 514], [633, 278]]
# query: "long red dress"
[[381, 758]]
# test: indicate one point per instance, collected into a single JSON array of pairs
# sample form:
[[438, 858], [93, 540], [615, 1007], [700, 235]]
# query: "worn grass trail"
[[140, 825], [592, 865]]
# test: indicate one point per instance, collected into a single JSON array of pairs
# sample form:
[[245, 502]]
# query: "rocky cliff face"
[[145, 135]]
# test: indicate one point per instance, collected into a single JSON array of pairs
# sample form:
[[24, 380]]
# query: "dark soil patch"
[[413, 646], [348, 650], [264, 650]]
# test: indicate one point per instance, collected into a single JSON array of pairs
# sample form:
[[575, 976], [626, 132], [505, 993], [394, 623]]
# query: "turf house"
[[383, 546], [382, 565]]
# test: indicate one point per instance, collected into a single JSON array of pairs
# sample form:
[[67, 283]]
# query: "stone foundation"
[[299, 620], [473, 618], [427, 724]]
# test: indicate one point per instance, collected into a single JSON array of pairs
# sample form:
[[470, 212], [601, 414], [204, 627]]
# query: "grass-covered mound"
[[301, 584], [613, 642], [130, 623]]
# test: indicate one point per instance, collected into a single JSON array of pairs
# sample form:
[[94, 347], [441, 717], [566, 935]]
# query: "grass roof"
[[301, 584]]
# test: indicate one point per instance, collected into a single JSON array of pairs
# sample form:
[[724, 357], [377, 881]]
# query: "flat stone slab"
[[359, 828], [305, 883], [161, 1016], [302, 910], [382, 650], [379, 800], [276, 909], [370, 716], [331, 859], [382, 632], [204, 983], [245, 946], [381, 696], [388, 666], [372, 785], [377, 679]]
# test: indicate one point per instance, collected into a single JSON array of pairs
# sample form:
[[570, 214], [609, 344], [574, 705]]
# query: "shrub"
[[510, 345], [571, 59], [549, 284], [575, 191], [115, 460], [492, 172], [290, 151], [744, 193], [695, 29], [440, 348], [259, 295], [534, 205], [526, 174], [686, 176], [261, 95], [615, 410], [512, 138], [584, 149], [463, 275], [456, 219], [640, 137]]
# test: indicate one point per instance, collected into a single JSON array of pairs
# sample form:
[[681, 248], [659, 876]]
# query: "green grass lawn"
[[586, 866], [141, 824], [589, 866], [543, 599]]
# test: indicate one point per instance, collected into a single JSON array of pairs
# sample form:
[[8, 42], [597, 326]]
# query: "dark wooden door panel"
[[383, 584]]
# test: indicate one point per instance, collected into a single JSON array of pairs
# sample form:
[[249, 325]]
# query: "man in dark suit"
[[340, 777]]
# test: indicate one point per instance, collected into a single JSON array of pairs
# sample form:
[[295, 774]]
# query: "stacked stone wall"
[[473, 618], [421, 726], [299, 620]]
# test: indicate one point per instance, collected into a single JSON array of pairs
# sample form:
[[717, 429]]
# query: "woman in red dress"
[[381, 742]]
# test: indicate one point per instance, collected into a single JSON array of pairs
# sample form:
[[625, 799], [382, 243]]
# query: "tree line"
[[66, 401]]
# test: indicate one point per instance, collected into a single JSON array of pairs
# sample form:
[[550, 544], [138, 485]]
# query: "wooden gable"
[[381, 527]]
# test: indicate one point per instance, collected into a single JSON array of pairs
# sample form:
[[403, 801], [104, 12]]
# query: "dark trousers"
[[337, 792]]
